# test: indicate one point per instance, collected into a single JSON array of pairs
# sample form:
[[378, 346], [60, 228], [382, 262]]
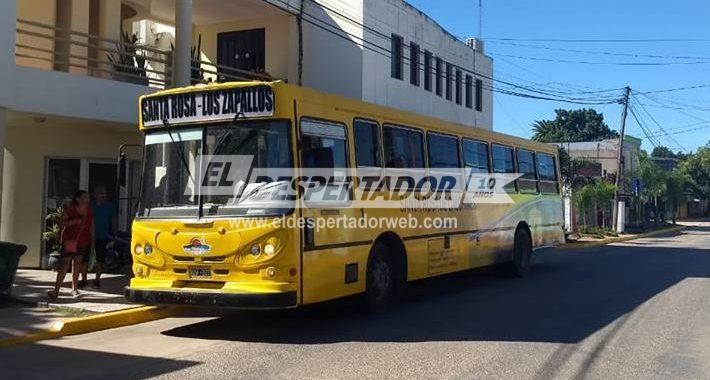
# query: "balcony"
[[47, 47]]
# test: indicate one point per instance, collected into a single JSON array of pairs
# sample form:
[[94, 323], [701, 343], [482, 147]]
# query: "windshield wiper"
[[228, 133], [181, 150]]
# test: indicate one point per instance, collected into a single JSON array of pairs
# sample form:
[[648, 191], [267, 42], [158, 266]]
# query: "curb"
[[103, 321], [592, 244]]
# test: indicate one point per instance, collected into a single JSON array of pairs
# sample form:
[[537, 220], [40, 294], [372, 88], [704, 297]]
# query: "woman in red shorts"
[[76, 239]]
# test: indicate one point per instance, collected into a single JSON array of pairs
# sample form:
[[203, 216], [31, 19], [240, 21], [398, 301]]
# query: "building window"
[[414, 77], [427, 70], [367, 144], [479, 95], [449, 80], [459, 93], [439, 74], [397, 57], [469, 91]]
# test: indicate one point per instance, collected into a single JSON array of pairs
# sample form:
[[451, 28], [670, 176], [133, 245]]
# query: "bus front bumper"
[[232, 295]]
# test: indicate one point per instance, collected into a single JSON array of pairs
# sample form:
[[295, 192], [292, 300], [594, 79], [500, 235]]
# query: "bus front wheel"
[[522, 251], [381, 282]]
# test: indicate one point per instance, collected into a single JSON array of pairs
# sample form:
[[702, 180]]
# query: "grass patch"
[[71, 312]]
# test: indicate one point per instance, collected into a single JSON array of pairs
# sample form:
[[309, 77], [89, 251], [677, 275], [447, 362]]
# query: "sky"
[[517, 36]]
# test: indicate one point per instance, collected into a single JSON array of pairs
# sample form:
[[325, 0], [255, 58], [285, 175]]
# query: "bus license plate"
[[200, 272]]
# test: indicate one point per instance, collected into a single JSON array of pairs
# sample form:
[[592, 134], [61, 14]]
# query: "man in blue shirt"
[[105, 223]]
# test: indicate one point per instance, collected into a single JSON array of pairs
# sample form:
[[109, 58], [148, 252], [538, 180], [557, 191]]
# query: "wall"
[[278, 39], [395, 16], [333, 61], [28, 144]]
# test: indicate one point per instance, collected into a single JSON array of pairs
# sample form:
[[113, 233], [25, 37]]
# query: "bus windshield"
[[173, 170]]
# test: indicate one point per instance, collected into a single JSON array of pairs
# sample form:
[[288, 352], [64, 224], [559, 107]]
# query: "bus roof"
[[368, 110]]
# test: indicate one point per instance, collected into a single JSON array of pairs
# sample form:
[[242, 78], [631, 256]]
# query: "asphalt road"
[[633, 310]]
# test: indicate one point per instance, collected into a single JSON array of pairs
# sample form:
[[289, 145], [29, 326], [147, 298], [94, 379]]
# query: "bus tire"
[[522, 252], [381, 282]]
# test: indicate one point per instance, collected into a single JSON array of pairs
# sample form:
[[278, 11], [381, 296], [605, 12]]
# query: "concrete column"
[[79, 23], [8, 17], [183, 43]]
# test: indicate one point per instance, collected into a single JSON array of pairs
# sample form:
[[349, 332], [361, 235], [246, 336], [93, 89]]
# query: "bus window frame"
[[380, 144], [489, 164], [461, 173], [534, 163], [348, 164], [425, 153], [442, 134], [515, 162], [556, 181]]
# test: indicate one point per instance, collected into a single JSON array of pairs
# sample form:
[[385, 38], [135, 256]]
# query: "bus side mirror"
[[122, 164]]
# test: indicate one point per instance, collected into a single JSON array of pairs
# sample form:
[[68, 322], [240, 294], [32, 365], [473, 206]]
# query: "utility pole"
[[619, 155]]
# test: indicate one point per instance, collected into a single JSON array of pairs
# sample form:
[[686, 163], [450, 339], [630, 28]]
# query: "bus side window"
[[367, 144], [444, 161], [324, 152], [503, 162], [475, 156], [404, 148], [547, 174], [527, 183]]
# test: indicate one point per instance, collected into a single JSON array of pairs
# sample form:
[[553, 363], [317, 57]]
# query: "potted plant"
[[128, 66], [52, 235]]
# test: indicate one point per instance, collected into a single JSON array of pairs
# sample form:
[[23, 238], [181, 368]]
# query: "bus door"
[[326, 208]]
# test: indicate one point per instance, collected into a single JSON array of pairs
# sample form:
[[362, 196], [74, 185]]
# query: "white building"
[[65, 108]]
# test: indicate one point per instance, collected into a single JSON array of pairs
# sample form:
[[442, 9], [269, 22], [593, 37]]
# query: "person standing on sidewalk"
[[76, 239], [105, 223]]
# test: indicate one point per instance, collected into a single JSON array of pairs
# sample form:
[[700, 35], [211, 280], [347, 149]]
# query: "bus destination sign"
[[210, 105]]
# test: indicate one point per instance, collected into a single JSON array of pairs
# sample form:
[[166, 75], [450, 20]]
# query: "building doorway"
[[63, 177]]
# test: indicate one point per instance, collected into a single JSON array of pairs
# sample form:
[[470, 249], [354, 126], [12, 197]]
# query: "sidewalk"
[[32, 310]]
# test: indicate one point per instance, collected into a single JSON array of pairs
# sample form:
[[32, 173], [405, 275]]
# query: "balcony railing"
[[48, 47]]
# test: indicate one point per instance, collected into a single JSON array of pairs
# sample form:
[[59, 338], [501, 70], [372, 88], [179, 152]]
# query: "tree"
[[572, 126], [664, 152], [696, 168]]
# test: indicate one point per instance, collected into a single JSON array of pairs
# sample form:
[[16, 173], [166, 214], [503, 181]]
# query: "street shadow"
[[569, 295], [41, 361]]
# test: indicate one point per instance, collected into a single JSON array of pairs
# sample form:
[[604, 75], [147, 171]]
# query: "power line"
[[555, 60], [675, 89], [600, 52], [593, 40], [386, 52], [660, 127], [646, 133]]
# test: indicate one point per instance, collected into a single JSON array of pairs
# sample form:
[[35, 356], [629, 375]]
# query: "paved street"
[[630, 310]]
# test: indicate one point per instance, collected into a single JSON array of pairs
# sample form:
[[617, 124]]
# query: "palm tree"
[[546, 131]]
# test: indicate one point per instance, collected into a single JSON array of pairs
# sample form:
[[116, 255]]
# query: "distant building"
[[666, 163]]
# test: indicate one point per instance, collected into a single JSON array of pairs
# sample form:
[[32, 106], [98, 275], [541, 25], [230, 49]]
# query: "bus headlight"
[[138, 249], [148, 249], [255, 250], [269, 249]]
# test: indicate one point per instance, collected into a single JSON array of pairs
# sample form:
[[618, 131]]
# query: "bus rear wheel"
[[522, 252], [381, 282]]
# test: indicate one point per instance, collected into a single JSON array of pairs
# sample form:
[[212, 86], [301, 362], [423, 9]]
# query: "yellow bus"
[[237, 249]]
